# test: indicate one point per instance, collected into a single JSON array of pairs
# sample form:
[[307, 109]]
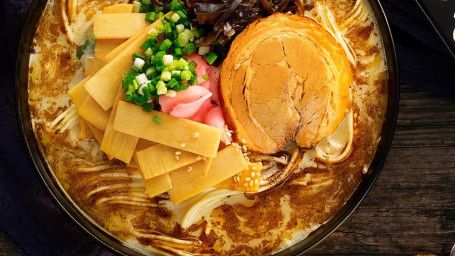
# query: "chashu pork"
[[285, 78]]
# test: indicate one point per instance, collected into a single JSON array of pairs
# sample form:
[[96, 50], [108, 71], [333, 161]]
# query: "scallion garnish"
[[157, 120], [161, 68], [211, 58]]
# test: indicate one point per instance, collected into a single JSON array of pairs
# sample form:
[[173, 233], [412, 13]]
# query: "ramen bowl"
[[107, 202]]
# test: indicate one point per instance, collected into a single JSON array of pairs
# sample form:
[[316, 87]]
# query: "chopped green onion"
[[181, 14], [161, 87], [150, 71], [180, 28], [154, 31], [167, 28], [146, 2], [189, 34], [211, 58], [186, 75], [135, 69], [189, 48], [82, 50], [160, 67], [166, 76], [183, 39], [137, 55], [139, 99], [157, 120], [138, 63], [135, 84], [136, 6], [143, 8], [168, 59], [175, 17], [148, 107], [129, 95], [192, 65], [203, 50], [178, 52], [195, 33], [165, 45], [183, 63], [125, 84], [148, 52], [181, 87], [150, 16], [206, 77], [173, 82]]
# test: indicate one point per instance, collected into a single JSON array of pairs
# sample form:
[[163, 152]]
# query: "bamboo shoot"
[[103, 47], [158, 185], [103, 85], [117, 144], [118, 25], [87, 108], [227, 163], [183, 134], [198, 169], [118, 8], [161, 159]]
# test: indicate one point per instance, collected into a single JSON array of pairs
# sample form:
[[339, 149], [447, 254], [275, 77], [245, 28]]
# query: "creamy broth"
[[220, 222]]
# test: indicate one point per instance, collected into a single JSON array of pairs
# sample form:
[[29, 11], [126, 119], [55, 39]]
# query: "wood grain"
[[411, 208]]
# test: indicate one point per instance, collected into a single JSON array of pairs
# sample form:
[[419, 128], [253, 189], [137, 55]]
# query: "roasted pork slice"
[[285, 78]]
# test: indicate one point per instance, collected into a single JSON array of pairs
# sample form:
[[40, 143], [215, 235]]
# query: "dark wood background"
[[410, 210]]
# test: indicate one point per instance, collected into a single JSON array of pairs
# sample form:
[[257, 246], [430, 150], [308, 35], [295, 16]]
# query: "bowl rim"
[[62, 200]]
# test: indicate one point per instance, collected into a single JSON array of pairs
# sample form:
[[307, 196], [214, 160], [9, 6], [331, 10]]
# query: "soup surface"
[[218, 221]]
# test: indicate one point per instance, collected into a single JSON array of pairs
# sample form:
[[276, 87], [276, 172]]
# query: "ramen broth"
[[218, 221]]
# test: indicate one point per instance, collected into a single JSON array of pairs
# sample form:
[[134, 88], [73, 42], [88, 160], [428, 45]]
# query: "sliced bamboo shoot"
[[103, 85], [96, 133], [115, 143], [88, 66], [158, 185], [171, 131], [227, 163], [87, 108], [103, 47], [198, 169], [118, 8], [161, 159], [118, 25], [246, 181]]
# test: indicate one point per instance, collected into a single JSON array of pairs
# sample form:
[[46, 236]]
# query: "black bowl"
[[75, 214]]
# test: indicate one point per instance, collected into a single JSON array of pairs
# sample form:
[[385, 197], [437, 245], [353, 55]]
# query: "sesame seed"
[[177, 158], [182, 145], [235, 144], [247, 178], [245, 154], [254, 168], [243, 141], [256, 181], [251, 183], [198, 158], [244, 148], [196, 135], [189, 169], [177, 153], [253, 174]]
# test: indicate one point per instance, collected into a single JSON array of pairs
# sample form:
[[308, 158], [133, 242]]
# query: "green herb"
[[157, 120]]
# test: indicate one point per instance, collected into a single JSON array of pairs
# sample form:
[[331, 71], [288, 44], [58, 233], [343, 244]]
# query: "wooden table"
[[411, 208]]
